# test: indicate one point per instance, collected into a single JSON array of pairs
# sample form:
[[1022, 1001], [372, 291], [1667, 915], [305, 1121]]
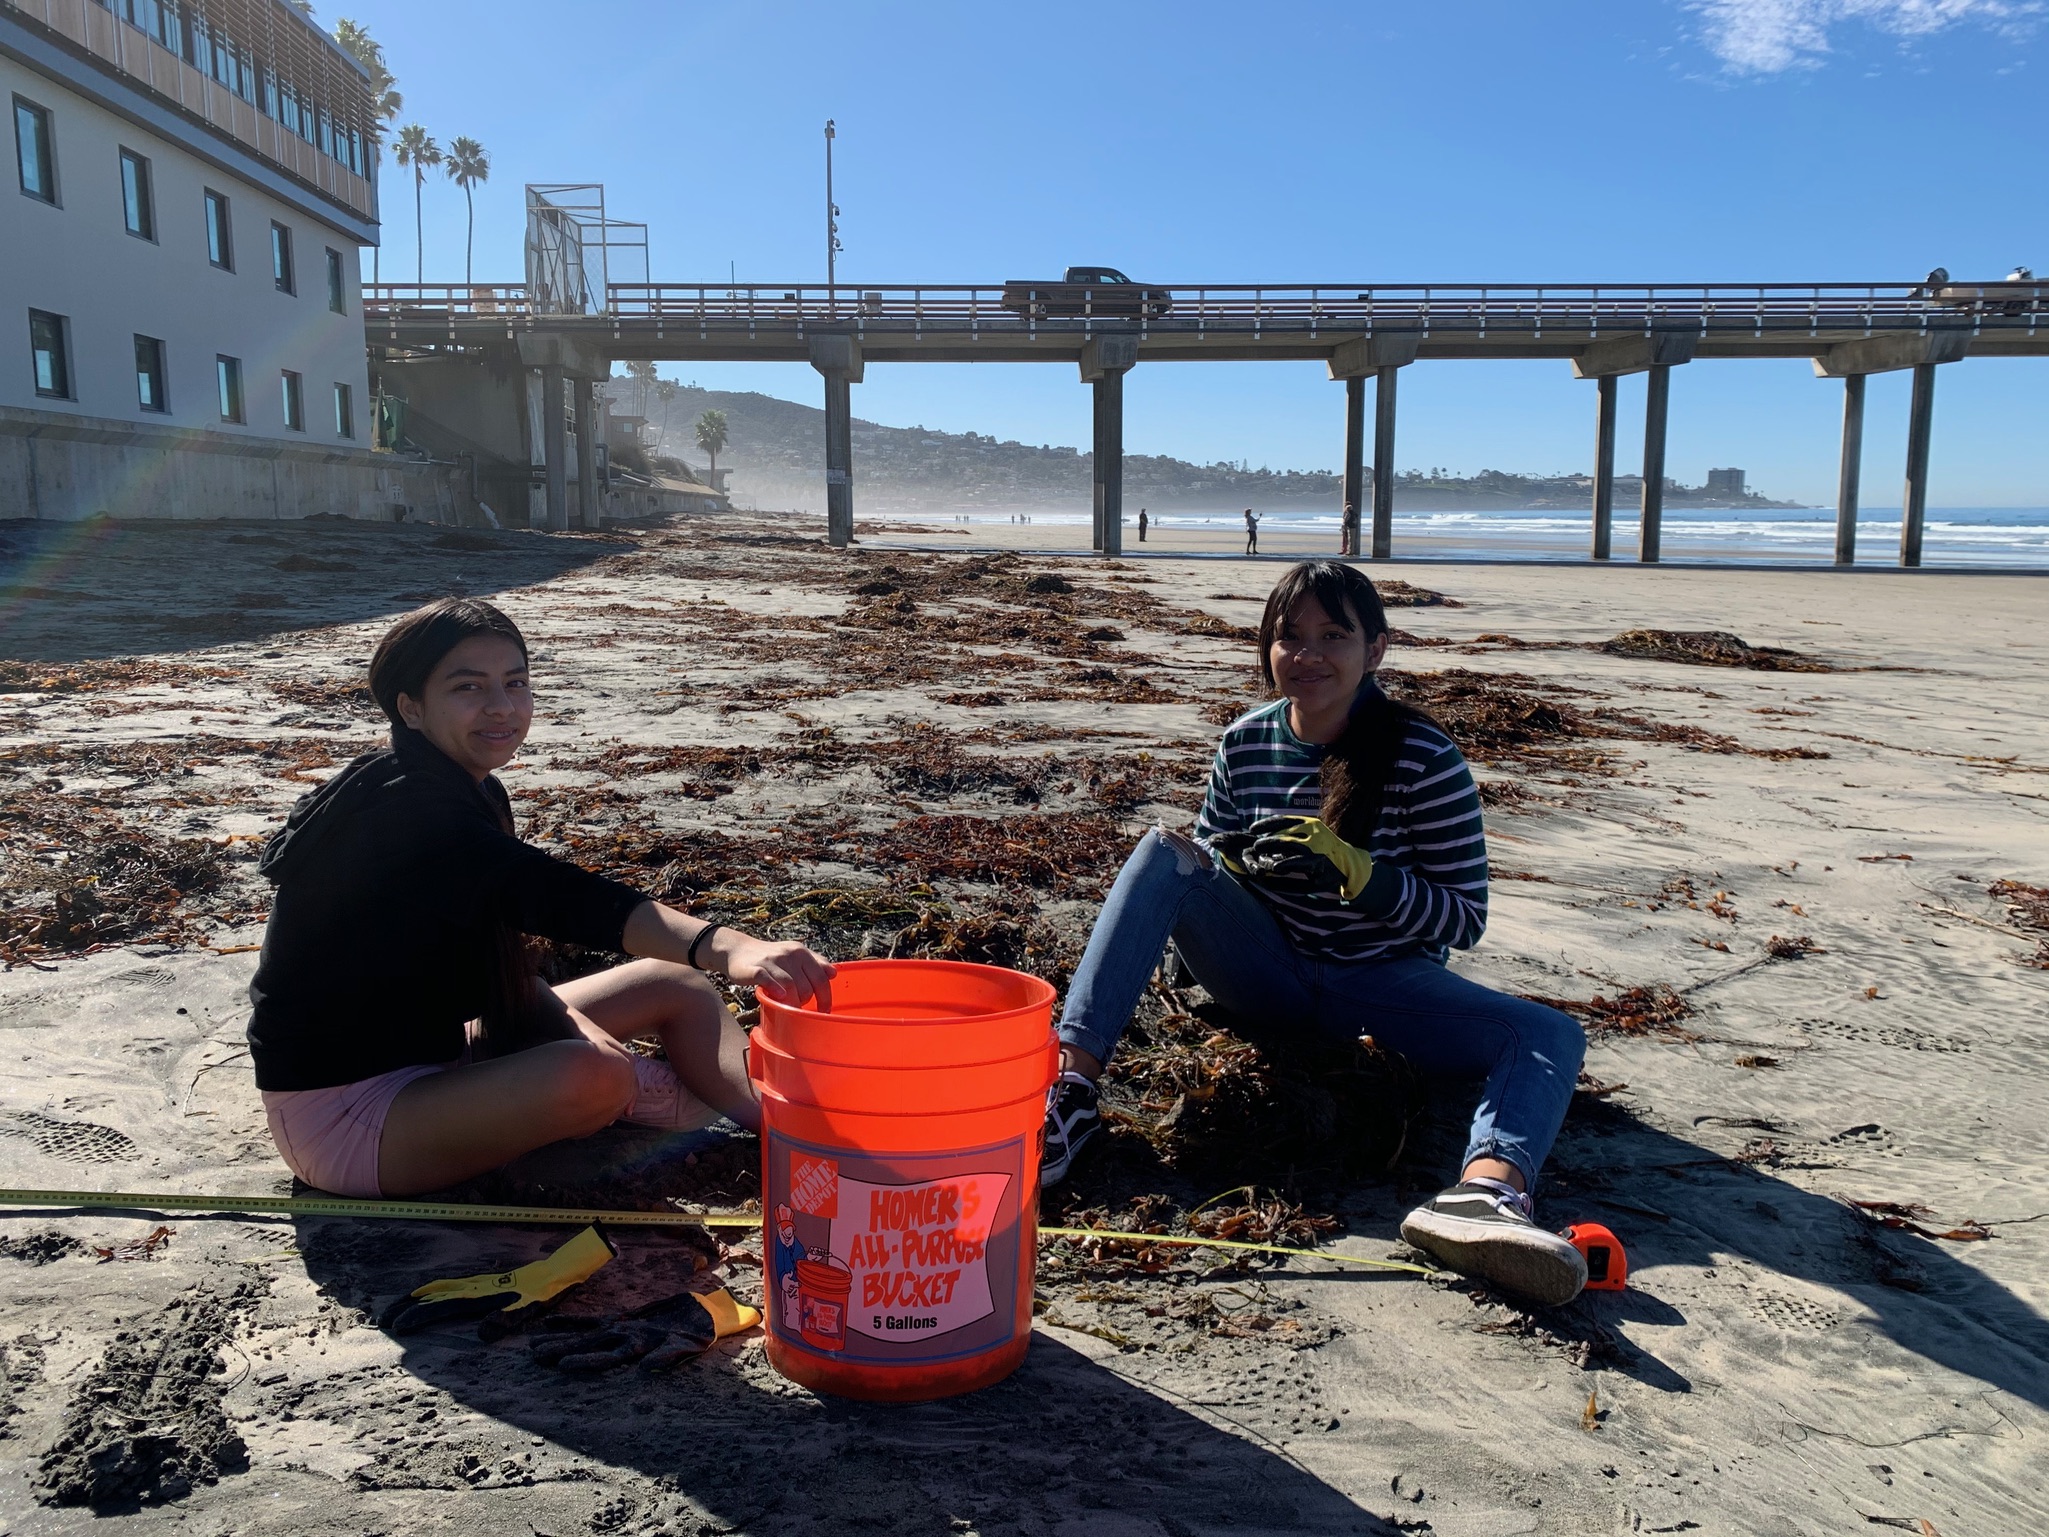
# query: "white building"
[[181, 329]]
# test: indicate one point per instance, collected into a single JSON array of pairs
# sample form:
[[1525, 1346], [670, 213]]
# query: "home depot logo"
[[815, 1185]]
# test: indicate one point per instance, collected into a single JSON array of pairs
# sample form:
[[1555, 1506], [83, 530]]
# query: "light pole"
[[832, 227]]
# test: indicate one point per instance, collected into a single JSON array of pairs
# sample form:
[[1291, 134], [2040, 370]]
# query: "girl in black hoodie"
[[401, 1038]]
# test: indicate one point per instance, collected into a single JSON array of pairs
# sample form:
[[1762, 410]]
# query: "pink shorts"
[[330, 1137]]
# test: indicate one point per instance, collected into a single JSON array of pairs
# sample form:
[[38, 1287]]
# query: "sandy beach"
[[1796, 901]]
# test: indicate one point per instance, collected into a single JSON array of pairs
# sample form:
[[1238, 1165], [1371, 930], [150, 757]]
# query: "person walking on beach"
[[1338, 857], [1141, 525], [401, 1037], [1251, 532], [1345, 550]]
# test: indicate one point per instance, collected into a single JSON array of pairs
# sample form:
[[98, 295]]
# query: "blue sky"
[[1496, 140]]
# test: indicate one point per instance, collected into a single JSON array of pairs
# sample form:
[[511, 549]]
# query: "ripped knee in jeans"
[[1189, 856]]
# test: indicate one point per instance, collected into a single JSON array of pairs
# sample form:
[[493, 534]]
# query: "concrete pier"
[[837, 357], [555, 447], [1604, 466], [1656, 353], [1923, 351], [1105, 360], [1657, 398], [1352, 360], [1355, 459], [1851, 471], [1920, 422]]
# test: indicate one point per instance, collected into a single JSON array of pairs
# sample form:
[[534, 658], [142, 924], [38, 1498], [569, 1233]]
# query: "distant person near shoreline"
[[1251, 532], [1345, 530], [1141, 525]]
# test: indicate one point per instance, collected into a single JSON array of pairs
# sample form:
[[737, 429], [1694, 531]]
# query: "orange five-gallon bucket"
[[900, 1176]]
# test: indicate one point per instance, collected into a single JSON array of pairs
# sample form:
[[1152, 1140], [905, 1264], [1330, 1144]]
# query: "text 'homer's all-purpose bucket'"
[[900, 1176]]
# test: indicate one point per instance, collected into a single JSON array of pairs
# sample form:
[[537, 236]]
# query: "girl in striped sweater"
[[1338, 857]]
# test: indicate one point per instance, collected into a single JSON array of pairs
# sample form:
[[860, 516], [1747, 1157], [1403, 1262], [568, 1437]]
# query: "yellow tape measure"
[[570, 1216]]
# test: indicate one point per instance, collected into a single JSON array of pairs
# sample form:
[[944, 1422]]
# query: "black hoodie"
[[395, 881]]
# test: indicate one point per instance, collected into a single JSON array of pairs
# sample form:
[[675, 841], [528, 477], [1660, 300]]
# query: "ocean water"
[[1952, 536]]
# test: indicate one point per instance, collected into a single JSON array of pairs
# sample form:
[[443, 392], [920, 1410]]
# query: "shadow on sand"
[[1034, 1445], [1674, 1202], [73, 592], [756, 1453]]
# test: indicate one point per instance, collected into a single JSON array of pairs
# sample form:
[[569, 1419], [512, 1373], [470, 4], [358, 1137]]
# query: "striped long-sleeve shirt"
[[1428, 892]]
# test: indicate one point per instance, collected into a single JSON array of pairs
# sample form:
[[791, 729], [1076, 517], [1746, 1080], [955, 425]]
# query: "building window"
[[149, 375], [295, 401], [35, 154], [227, 373], [337, 290], [49, 340], [281, 259], [220, 234], [344, 412], [138, 201]]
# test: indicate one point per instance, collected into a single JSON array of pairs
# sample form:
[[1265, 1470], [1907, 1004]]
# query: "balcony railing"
[[285, 49]]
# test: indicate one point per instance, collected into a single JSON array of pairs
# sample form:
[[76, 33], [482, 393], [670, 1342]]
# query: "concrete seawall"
[[63, 468]]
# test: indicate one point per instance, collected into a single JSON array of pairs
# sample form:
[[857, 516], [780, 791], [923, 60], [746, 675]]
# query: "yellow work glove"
[[1303, 850], [504, 1291]]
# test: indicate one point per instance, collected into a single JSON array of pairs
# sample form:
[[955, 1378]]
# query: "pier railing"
[[1587, 310]]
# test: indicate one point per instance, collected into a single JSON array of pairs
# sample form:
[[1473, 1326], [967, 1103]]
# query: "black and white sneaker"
[[1483, 1228], [1071, 1119]]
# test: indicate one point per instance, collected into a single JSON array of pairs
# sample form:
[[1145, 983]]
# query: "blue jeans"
[[1445, 1025]]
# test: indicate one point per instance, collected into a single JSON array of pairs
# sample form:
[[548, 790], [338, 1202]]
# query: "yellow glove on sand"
[[504, 1291]]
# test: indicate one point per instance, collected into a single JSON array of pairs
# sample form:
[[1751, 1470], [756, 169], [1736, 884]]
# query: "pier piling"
[[837, 356], [555, 447], [1851, 473], [1109, 462], [1656, 398], [583, 392], [1105, 359], [1604, 466], [1355, 459], [1383, 461], [1920, 421]]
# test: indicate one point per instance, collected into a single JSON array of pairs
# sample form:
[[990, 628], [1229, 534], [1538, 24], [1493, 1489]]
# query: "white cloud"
[[1769, 36]]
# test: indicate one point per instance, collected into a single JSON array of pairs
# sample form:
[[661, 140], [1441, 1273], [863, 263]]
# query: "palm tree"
[[642, 373], [469, 163], [665, 392], [385, 101], [711, 437], [418, 150]]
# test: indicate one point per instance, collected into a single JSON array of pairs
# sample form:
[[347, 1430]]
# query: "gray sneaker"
[[1486, 1231], [1071, 1119]]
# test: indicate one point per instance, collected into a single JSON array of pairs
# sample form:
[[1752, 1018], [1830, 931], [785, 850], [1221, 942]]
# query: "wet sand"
[[889, 743]]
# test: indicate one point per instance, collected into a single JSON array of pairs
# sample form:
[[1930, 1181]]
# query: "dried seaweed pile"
[[1214, 1096], [1076, 854], [18, 677], [1654, 1010], [1710, 648], [332, 695], [1395, 593], [1512, 719], [78, 877], [87, 863], [2027, 907], [1197, 1098]]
